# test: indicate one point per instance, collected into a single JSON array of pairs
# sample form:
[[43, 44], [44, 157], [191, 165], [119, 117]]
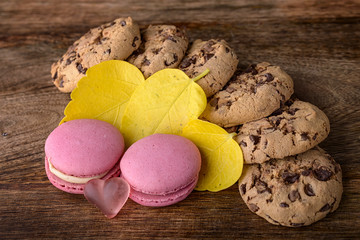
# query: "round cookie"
[[115, 40], [215, 55], [295, 191], [163, 46], [291, 130], [250, 95]]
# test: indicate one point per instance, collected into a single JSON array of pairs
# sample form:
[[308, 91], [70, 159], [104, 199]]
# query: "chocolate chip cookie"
[[215, 55], [163, 46], [115, 40], [295, 191], [295, 128], [250, 95]]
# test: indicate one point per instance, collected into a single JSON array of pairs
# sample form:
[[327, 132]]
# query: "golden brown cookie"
[[294, 191], [215, 55], [163, 46], [291, 130], [115, 40], [250, 95]]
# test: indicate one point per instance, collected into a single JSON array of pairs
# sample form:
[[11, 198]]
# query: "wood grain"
[[316, 42]]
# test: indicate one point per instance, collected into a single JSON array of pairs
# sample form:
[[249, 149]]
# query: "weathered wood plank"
[[317, 43]]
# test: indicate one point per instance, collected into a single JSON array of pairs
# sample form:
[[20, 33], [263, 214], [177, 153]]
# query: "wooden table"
[[316, 42]]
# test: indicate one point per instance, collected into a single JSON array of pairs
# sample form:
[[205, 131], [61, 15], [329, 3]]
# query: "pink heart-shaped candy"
[[108, 195]]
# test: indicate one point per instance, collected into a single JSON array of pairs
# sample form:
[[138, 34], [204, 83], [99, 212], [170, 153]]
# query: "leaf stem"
[[201, 75], [233, 134]]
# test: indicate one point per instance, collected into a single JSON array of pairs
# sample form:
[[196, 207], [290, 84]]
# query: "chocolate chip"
[[325, 208], [185, 63], [277, 121], [55, 76], [253, 89], [309, 190], [4, 134], [254, 179], [265, 144], [171, 38], [80, 68], [174, 61], [269, 200], [208, 47], [208, 56], [269, 77], [284, 204], [282, 97], [214, 102], [72, 54], [294, 195], [230, 89], [261, 187], [156, 51], [146, 62], [68, 61], [254, 139], [253, 207], [322, 174], [108, 51], [304, 136], [242, 143], [297, 224], [103, 40], [243, 189], [306, 172], [227, 50], [135, 39], [193, 59], [61, 83], [289, 177], [123, 23], [315, 136]]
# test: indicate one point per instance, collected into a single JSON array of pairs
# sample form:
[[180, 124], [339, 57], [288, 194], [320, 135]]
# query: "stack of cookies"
[[287, 179]]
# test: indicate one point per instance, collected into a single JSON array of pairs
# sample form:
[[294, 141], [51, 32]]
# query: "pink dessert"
[[81, 150], [161, 169]]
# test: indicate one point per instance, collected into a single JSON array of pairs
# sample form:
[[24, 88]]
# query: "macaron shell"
[[162, 200], [161, 164], [84, 147], [73, 187]]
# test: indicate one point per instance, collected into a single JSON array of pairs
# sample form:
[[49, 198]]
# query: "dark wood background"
[[315, 41]]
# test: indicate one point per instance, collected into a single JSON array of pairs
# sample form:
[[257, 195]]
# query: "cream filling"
[[72, 179]]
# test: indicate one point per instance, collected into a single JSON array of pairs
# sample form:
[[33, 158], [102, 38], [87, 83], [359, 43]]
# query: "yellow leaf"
[[164, 103], [221, 155], [104, 91]]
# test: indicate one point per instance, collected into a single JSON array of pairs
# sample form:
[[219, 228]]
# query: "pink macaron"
[[80, 150], [161, 169]]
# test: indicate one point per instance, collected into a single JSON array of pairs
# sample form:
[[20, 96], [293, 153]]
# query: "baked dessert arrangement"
[[147, 121]]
